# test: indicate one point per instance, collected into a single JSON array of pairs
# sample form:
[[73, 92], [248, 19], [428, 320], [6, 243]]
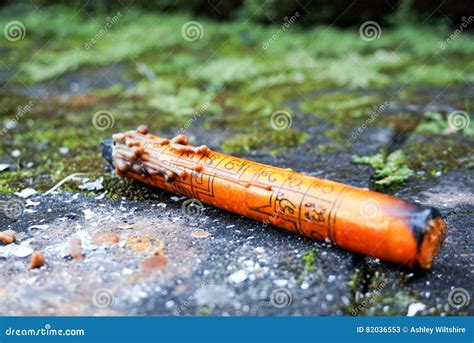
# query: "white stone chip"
[[414, 308], [238, 276], [25, 193]]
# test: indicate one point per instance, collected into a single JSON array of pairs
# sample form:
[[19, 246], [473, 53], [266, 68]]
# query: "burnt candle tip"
[[430, 230]]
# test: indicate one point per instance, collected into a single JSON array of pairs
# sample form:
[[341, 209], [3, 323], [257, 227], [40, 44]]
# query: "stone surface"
[[241, 268]]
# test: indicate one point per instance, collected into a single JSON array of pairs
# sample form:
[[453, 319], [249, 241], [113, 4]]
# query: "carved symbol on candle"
[[285, 205], [314, 212]]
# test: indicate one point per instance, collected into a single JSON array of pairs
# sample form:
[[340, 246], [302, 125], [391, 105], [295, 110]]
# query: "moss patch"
[[389, 170], [272, 141], [340, 108], [308, 259]]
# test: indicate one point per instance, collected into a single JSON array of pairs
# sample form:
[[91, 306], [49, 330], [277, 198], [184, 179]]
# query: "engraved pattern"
[[300, 204]]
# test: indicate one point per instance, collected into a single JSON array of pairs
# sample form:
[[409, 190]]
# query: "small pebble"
[[63, 150], [280, 282], [39, 227], [200, 233], [124, 227], [22, 250], [127, 271], [88, 213], [4, 166], [25, 193], [238, 276], [414, 308]]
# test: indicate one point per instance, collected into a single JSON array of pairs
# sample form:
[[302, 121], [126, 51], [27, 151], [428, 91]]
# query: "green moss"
[[389, 170], [273, 141], [435, 74], [225, 53], [119, 187], [342, 104], [432, 123], [163, 95], [205, 311], [425, 153], [308, 259], [354, 279], [12, 181], [329, 148]]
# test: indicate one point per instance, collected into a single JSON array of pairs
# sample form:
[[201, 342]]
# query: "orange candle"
[[352, 218]]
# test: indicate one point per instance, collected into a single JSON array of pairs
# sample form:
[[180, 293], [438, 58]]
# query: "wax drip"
[[139, 151], [136, 151]]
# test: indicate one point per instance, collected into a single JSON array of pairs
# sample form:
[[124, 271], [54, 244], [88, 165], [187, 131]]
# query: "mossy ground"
[[225, 81]]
